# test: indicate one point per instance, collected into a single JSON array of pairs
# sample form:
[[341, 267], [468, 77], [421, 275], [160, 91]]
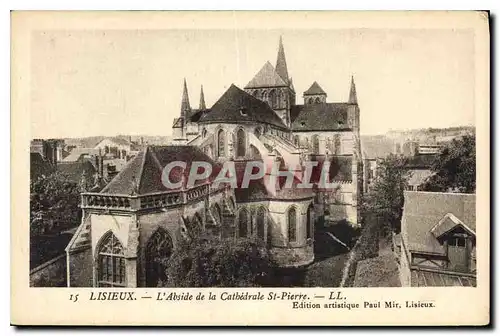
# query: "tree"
[[383, 204], [54, 203], [219, 263], [455, 167]]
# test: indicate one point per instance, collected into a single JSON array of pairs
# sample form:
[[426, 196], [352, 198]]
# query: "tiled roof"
[[266, 77], [319, 117], [142, 174], [423, 210], [433, 278], [235, 105], [315, 89], [76, 153]]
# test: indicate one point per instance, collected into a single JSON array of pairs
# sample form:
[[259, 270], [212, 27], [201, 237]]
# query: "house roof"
[[319, 117], [143, 174], [421, 161], [423, 210], [235, 106], [314, 89], [433, 278], [266, 77], [76, 153]]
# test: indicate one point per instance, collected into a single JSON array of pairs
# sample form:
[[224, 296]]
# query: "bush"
[[220, 263]]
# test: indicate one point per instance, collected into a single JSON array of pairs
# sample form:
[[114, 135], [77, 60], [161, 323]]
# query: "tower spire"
[[353, 98], [185, 107], [281, 67], [202, 100]]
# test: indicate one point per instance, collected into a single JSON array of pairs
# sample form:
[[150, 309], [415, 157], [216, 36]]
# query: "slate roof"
[[229, 108], [142, 174], [424, 210], [314, 89], [266, 77], [319, 117]]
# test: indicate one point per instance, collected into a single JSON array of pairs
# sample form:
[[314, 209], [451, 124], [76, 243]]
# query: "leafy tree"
[[219, 263], [455, 167], [54, 203], [383, 204]]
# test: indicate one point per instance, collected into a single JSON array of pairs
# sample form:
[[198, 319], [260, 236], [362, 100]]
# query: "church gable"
[[266, 77]]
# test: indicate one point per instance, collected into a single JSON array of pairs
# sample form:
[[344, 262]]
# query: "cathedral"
[[136, 219]]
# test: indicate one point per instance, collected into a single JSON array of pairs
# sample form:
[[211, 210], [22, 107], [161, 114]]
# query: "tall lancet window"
[[110, 262], [221, 142], [158, 251], [261, 223], [292, 225], [272, 98], [243, 223], [241, 143]]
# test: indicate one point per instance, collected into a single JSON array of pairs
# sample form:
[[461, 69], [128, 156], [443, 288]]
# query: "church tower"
[[180, 124], [272, 85]]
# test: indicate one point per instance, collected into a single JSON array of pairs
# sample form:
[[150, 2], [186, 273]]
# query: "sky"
[[109, 82]]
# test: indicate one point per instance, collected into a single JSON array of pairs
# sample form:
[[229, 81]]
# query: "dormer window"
[[243, 111], [302, 123], [457, 242]]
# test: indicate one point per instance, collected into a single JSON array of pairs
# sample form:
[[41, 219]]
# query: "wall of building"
[[327, 141], [80, 264]]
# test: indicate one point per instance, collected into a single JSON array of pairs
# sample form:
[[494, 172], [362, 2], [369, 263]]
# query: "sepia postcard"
[[250, 168]]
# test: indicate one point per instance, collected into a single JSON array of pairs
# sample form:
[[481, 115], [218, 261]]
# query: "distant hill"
[[379, 146], [90, 142]]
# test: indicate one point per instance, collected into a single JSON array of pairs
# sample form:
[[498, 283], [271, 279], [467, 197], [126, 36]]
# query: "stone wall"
[[50, 274]]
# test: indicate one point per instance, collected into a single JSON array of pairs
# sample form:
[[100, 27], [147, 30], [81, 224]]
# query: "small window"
[[457, 241], [302, 123], [243, 111]]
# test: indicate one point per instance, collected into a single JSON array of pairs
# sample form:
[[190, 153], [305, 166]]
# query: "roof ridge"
[[141, 171]]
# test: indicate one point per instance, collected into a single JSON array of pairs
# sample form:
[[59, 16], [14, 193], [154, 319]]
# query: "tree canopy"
[[455, 167], [219, 263], [384, 202], [54, 203]]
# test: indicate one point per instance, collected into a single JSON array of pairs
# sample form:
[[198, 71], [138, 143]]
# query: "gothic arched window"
[[204, 133], [292, 225], [158, 251], [217, 213], [310, 221], [296, 140], [311, 100], [272, 98], [243, 223], [337, 144], [241, 143], [110, 262], [261, 223], [279, 99], [221, 141], [315, 143], [317, 100]]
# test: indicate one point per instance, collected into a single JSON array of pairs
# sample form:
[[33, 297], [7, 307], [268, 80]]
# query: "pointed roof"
[[281, 68], [353, 98], [237, 106], [315, 89], [266, 77], [185, 107], [143, 174], [202, 100]]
